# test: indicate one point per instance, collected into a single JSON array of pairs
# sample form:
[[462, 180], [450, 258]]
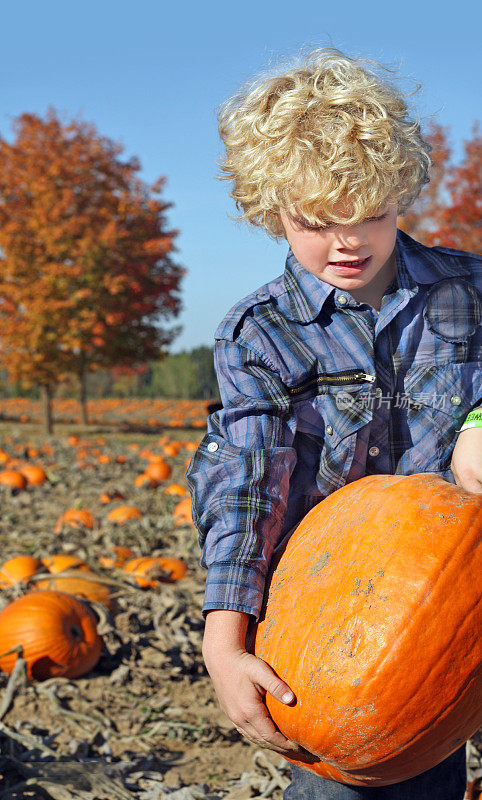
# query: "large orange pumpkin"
[[57, 632], [373, 616]]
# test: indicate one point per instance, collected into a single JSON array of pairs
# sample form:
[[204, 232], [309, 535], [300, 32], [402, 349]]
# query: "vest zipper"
[[333, 379]]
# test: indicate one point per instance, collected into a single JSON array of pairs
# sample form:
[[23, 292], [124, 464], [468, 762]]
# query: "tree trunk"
[[83, 398], [47, 394]]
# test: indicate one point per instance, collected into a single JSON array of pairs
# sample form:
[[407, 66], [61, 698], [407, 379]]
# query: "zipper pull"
[[371, 378]]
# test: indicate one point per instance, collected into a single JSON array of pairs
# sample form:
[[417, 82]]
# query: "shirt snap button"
[[455, 400], [329, 429], [342, 299], [212, 447], [374, 451], [378, 392]]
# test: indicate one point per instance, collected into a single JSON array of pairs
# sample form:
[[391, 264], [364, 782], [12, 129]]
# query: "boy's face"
[[371, 241]]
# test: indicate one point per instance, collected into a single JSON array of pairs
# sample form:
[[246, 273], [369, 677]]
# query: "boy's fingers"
[[275, 741], [264, 676]]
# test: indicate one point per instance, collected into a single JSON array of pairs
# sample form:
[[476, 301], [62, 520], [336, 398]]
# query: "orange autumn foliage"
[[447, 212], [86, 269]]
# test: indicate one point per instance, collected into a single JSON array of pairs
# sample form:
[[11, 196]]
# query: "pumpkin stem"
[[76, 632], [18, 649]]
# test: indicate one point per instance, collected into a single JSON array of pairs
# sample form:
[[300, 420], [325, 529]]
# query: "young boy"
[[363, 357]]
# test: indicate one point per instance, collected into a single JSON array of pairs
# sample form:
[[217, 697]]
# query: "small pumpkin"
[[158, 470], [124, 513], [143, 481], [176, 490], [121, 556], [59, 562], [56, 631], [76, 518], [183, 512], [18, 570], [109, 495], [171, 449], [34, 474], [13, 478], [150, 571]]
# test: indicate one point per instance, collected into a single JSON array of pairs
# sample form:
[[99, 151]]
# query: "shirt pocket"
[[333, 420], [439, 399]]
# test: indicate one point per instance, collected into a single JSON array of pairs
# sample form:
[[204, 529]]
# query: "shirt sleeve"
[[239, 479]]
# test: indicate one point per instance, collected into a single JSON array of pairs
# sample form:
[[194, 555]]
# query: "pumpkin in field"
[[75, 518], [373, 617], [85, 585], [111, 494], [17, 570], [57, 633], [123, 514], [59, 562], [183, 512], [13, 478], [121, 555], [171, 449], [175, 567], [143, 481], [149, 571], [158, 470], [176, 489], [34, 474]]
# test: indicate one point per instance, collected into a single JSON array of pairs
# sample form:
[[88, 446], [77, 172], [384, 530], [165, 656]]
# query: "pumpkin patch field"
[[103, 689]]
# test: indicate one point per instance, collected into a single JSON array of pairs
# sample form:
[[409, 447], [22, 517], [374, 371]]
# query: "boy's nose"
[[353, 238]]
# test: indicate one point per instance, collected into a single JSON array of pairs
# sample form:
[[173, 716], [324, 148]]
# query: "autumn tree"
[[87, 278], [448, 211]]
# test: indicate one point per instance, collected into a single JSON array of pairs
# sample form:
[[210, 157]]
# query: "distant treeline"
[[188, 374]]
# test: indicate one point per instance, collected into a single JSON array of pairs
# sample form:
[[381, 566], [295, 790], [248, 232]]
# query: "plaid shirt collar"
[[416, 264]]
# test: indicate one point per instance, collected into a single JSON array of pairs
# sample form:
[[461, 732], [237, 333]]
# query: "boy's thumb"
[[274, 685]]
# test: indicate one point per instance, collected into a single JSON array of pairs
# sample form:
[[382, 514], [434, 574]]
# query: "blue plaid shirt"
[[319, 390]]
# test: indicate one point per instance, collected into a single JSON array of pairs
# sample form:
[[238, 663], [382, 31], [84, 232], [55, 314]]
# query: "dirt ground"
[[145, 722]]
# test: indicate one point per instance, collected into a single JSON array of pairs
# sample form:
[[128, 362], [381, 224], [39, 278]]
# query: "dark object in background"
[[212, 407]]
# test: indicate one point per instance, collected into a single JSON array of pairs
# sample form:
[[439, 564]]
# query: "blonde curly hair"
[[328, 130]]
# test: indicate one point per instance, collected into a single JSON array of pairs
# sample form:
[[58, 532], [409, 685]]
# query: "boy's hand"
[[466, 464], [241, 681]]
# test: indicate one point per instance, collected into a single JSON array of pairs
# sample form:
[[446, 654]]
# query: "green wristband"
[[472, 420]]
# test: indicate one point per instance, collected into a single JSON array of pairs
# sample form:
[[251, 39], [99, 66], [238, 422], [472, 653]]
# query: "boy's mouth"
[[355, 265]]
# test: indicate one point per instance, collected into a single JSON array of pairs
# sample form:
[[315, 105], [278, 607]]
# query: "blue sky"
[[151, 76]]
